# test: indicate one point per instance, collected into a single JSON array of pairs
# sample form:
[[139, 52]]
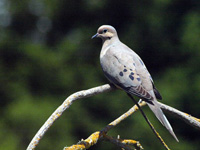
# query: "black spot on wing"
[[121, 74], [138, 79], [131, 77], [125, 70]]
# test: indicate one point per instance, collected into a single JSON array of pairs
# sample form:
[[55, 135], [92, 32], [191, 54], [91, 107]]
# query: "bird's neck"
[[108, 42]]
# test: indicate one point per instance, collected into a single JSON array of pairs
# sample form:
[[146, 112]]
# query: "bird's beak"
[[94, 36]]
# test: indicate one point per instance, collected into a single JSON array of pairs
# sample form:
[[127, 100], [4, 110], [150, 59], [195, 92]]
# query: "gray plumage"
[[126, 70]]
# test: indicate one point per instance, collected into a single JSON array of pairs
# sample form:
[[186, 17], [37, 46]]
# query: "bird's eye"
[[105, 30]]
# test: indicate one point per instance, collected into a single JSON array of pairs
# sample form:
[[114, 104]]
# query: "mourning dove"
[[126, 70]]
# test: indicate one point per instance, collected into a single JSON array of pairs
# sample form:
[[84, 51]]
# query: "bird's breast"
[[104, 51]]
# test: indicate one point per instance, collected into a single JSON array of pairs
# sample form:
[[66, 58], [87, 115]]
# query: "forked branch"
[[195, 122]]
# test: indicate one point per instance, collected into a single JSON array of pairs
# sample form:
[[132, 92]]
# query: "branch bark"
[[195, 122]]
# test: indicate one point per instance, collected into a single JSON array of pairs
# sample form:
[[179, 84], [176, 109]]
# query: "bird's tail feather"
[[155, 107]]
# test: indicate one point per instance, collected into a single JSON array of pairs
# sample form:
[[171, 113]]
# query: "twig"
[[95, 137], [87, 143], [193, 121], [149, 123], [122, 117], [126, 144]]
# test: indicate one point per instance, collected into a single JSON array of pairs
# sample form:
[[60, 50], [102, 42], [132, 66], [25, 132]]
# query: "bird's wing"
[[126, 70]]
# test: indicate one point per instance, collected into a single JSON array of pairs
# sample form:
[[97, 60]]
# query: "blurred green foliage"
[[46, 54]]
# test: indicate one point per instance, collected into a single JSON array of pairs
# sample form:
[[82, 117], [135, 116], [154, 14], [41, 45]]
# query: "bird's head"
[[105, 32]]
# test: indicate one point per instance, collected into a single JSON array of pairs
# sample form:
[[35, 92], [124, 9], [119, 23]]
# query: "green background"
[[46, 54]]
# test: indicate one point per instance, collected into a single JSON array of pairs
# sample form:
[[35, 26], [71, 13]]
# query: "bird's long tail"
[[155, 107]]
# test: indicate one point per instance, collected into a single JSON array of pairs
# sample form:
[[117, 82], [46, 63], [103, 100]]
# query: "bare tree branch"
[[102, 135], [99, 135], [195, 122], [65, 105]]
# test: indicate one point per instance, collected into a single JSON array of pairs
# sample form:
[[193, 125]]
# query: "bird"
[[126, 70]]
